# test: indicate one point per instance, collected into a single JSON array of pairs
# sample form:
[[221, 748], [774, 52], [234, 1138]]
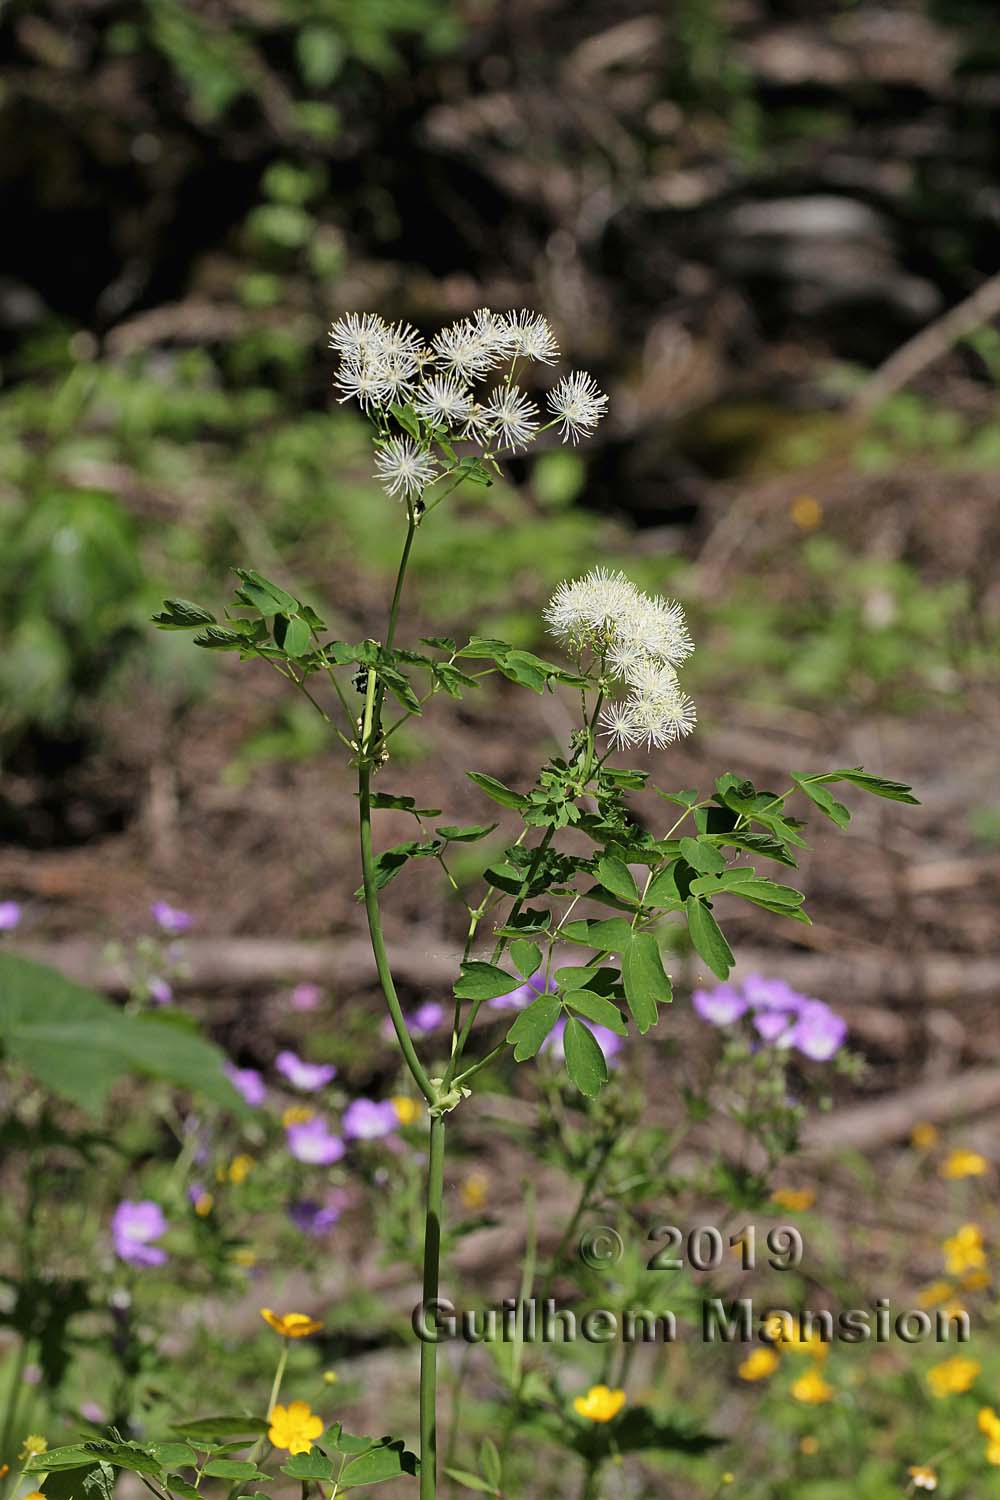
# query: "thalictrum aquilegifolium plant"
[[582, 871]]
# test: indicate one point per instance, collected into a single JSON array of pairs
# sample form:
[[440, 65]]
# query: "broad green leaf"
[[526, 957], [646, 984], [663, 889], [879, 786], [314, 1465], [403, 804], [533, 1025], [686, 798], [482, 981], [756, 843], [78, 1044], [616, 877], [217, 638], [71, 1456], [518, 666], [173, 1455], [496, 790], [389, 863], [129, 1456], [181, 614], [220, 1427], [528, 920], [401, 689], [611, 935], [177, 1486], [596, 1008], [298, 638], [235, 1468], [707, 937], [703, 856], [407, 419], [824, 800], [483, 647], [765, 891], [266, 597], [585, 1062], [387, 1461]]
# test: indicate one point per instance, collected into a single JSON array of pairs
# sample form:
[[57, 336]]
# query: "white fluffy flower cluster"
[[641, 640], [382, 364]]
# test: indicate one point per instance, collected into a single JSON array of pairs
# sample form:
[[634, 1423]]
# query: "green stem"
[[279, 1375], [375, 924], [606, 1147], [428, 1350], [591, 1481]]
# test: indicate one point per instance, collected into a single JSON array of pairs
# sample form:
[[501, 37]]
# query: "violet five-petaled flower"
[[312, 1141], [304, 1075], [248, 1082], [779, 1015], [525, 993], [170, 918], [369, 1119], [10, 915], [134, 1225]]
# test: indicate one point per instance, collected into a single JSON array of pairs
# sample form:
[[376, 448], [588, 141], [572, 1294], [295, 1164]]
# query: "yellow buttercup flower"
[[934, 1294], [290, 1325], [33, 1445], [34, 1495], [963, 1164], [297, 1114], [924, 1135], [240, 1168], [600, 1404], [787, 1333], [964, 1251], [474, 1190], [244, 1256], [922, 1477], [811, 1388], [796, 1200], [778, 1328], [809, 1445], [203, 1205], [294, 1427], [758, 1365], [407, 1109], [989, 1426], [953, 1376]]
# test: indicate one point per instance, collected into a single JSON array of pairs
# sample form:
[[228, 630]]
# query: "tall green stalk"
[[428, 1350]]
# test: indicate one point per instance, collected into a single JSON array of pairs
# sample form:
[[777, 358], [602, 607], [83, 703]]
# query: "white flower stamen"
[[404, 468], [511, 416], [579, 404]]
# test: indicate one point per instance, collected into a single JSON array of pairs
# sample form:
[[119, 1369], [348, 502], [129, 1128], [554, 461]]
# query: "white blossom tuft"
[[640, 640], [510, 416], [404, 468], [443, 401], [579, 404], [531, 337]]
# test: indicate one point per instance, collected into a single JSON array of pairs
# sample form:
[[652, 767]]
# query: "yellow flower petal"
[[600, 1404], [963, 1164], [291, 1325], [953, 1376], [812, 1389], [758, 1365]]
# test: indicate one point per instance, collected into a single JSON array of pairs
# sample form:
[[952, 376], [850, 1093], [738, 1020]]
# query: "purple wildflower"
[[91, 1412], [248, 1082], [10, 915], [608, 1041], [306, 997], [720, 1006], [525, 993], [32, 1375], [133, 1226], [775, 1026], [159, 991], [304, 1075], [313, 1141], [314, 1218], [425, 1018], [369, 1119], [819, 1032], [170, 918]]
